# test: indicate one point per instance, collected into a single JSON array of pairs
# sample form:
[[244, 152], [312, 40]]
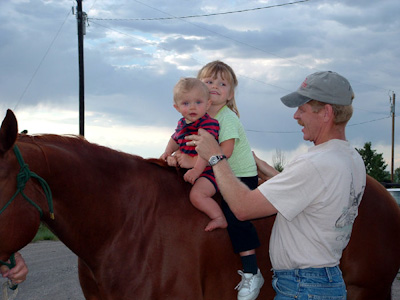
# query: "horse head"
[[19, 221]]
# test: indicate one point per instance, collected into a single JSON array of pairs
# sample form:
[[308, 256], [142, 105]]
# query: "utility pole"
[[393, 113], [81, 22]]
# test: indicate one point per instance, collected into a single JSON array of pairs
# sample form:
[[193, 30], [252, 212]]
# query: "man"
[[316, 196]]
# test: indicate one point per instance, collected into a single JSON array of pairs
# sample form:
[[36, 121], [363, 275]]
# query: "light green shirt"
[[242, 160]]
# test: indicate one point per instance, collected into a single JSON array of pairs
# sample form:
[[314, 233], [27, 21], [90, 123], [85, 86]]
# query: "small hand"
[[191, 175], [185, 161], [171, 161], [164, 156]]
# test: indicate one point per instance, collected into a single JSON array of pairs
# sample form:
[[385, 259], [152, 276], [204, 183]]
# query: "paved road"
[[53, 274]]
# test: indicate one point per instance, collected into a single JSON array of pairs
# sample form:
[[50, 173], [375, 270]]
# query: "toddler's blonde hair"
[[187, 84]]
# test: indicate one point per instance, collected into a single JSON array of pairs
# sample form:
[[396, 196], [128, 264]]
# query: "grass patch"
[[44, 234]]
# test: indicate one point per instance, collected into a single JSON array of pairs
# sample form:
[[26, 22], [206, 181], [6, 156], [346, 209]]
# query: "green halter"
[[22, 178]]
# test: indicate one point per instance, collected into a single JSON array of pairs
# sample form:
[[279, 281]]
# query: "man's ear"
[[328, 112]]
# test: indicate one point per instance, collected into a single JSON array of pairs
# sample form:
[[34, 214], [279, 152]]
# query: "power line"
[[222, 35], [132, 36], [219, 34], [225, 36], [198, 16], [240, 42], [375, 120], [41, 61], [286, 132], [196, 60], [271, 131], [158, 46]]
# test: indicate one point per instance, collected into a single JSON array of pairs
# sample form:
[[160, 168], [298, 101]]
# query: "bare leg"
[[200, 196], [248, 252]]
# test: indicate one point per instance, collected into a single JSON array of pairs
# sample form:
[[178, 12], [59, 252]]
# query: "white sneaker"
[[249, 287]]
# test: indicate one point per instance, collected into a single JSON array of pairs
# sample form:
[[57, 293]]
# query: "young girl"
[[192, 99], [221, 82]]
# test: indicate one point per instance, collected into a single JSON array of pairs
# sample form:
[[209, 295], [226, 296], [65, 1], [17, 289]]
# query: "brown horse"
[[136, 234]]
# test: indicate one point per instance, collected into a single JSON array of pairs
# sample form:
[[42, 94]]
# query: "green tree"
[[396, 175], [374, 163]]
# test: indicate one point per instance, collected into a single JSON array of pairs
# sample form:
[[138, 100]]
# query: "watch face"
[[213, 160]]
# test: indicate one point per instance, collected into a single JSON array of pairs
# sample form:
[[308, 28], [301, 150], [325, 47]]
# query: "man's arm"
[[265, 171], [245, 203]]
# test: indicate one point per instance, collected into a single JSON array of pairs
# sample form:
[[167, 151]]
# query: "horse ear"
[[8, 132]]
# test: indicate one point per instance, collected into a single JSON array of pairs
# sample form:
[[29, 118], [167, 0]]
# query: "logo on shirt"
[[351, 211]]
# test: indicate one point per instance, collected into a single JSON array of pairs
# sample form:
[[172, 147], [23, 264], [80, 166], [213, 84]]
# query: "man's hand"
[[18, 273], [264, 170], [206, 144]]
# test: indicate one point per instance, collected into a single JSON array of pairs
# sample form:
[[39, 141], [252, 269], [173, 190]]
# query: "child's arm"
[[227, 147], [193, 174], [172, 146]]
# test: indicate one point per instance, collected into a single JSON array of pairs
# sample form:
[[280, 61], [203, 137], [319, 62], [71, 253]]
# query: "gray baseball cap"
[[328, 87]]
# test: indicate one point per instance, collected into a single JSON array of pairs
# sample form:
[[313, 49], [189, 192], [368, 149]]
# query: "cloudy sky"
[[135, 51]]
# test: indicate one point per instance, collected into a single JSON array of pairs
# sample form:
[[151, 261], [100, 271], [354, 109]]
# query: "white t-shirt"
[[317, 197]]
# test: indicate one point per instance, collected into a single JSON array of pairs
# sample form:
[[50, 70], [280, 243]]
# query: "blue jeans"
[[311, 283]]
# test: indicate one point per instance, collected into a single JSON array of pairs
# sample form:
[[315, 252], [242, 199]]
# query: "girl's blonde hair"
[[212, 70]]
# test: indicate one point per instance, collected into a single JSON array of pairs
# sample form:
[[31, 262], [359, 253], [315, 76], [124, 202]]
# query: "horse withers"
[[130, 222]]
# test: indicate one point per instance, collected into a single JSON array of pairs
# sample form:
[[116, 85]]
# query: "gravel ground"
[[53, 274], [396, 287]]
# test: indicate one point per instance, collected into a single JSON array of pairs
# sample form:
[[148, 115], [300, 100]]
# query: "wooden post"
[[81, 24], [393, 112]]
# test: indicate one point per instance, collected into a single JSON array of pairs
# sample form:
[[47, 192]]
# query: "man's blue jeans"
[[311, 283]]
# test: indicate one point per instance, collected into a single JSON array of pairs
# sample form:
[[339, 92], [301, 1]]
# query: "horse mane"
[[78, 140], [52, 138]]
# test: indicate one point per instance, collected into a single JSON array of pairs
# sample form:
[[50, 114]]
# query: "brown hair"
[[342, 113]]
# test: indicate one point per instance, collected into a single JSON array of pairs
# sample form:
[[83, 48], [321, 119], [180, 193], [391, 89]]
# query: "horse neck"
[[78, 175]]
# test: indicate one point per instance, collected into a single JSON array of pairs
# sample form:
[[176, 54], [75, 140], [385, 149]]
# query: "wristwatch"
[[216, 159]]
